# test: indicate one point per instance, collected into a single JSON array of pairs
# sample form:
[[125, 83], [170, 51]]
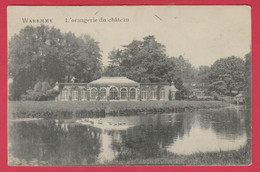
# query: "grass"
[[48, 109], [241, 156]]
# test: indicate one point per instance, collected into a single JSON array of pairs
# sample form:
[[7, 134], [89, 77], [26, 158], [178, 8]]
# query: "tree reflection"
[[228, 124], [77, 145], [63, 142], [149, 139], [211, 131]]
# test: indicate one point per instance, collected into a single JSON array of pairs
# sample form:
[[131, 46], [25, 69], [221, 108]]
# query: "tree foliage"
[[146, 61], [45, 54], [228, 73], [40, 56], [142, 61], [182, 92], [178, 83], [202, 77], [248, 76], [42, 91], [183, 69]]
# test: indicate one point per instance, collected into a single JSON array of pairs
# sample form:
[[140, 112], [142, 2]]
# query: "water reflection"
[[64, 142], [211, 132], [201, 139]]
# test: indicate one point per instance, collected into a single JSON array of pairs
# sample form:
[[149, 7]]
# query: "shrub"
[[182, 94], [40, 92], [170, 95], [51, 94], [179, 95]]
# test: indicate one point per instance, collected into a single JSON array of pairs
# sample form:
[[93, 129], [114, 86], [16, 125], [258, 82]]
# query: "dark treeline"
[[146, 61], [41, 56]]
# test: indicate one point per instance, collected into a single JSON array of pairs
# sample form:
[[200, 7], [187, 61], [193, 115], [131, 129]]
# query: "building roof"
[[113, 80], [173, 88]]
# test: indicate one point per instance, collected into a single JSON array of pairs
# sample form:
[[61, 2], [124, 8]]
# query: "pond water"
[[66, 142]]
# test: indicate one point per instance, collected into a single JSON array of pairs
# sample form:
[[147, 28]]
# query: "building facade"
[[115, 89]]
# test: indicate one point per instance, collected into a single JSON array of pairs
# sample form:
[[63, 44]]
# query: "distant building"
[[197, 92], [240, 98], [114, 89]]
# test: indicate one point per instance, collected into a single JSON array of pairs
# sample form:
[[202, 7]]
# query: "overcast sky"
[[202, 34]]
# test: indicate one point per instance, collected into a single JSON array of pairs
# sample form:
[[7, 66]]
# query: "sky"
[[201, 34]]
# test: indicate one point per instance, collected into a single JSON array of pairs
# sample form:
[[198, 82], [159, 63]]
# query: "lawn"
[[242, 156], [48, 109]]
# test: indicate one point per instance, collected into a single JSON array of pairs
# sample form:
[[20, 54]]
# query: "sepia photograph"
[[129, 85]]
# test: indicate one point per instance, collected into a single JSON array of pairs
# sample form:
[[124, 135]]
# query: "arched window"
[[83, 94], [144, 93], [113, 93], [64, 95], [132, 94], [93, 93], [123, 94], [103, 93], [75, 95], [153, 94], [162, 94]]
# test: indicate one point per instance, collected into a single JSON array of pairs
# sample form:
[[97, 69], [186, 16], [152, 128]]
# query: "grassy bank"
[[51, 109], [241, 156], [233, 157]]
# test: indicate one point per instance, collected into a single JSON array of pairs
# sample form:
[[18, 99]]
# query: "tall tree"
[[34, 55], [230, 70], [70, 54], [142, 61], [45, 54], [88, 62], [183, 69], [202, 77], [115, 68]]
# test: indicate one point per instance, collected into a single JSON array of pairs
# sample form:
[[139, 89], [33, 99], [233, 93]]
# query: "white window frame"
[[153, 94], [76, 95], [91, 93], [121, 93], [164, 91], [118, 93], [146, 93], [130, 93], [64, 98], [103, 88], [84, 96]]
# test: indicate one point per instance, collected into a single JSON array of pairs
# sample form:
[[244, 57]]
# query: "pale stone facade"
[[115, 89]]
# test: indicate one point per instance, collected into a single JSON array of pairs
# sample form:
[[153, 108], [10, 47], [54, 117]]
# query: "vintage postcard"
[[129, 85]]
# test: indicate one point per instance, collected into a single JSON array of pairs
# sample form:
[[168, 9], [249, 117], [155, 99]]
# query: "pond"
[[65, 142]]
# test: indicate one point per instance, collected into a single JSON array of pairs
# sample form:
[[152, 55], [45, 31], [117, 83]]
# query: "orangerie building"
[[114, 89]]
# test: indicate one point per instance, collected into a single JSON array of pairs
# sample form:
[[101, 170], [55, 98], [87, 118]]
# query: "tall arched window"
[[132, 94], [93, 93], [144, 93], [153, 94], [83, 94], [64, 95], [113, 93], [75, 95], [123, 94], [103, 93], [162, 93]]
